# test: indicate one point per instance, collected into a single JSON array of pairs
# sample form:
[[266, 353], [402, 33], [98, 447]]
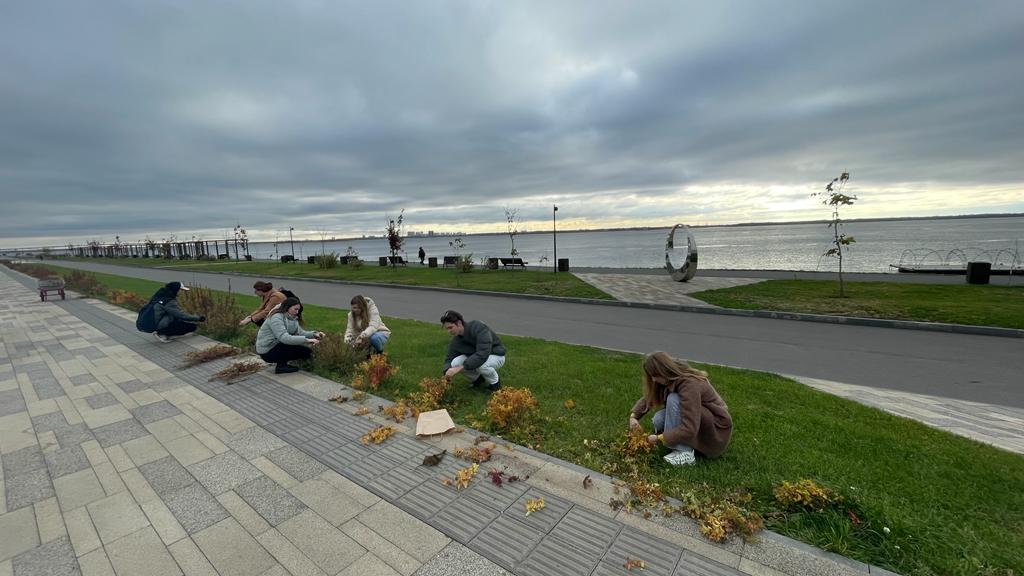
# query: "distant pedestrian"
[[270, 299], [693, 418], [169, 318], [281, 339], [423, 255], [475, 350], [364, 326]]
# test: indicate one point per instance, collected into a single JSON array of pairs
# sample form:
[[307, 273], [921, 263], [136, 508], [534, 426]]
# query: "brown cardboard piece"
[[434, 422]]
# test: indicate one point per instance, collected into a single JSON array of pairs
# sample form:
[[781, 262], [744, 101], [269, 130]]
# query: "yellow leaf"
[[534, 505]]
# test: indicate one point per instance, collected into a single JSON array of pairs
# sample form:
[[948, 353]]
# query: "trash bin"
[[383, 260], [432, 262], [563, 264], [310, 259], [287, 258], [978, 272], [492, 263]]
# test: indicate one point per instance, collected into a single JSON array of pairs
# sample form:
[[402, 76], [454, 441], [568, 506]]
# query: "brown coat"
[[707, 425], [272, 299]]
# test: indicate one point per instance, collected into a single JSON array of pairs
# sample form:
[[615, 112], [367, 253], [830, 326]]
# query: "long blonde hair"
[[671, 369], [360, 312]]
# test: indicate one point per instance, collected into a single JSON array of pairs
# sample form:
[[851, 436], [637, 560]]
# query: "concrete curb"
[[848, 320]]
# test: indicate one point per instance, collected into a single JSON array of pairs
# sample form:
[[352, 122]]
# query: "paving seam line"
[[205, 386]]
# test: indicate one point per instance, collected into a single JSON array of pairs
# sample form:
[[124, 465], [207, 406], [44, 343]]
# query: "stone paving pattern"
[[660, 288], [114, 461]]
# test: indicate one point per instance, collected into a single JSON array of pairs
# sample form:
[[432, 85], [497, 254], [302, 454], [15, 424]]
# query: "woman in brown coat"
[[693, 418], [270, 299]]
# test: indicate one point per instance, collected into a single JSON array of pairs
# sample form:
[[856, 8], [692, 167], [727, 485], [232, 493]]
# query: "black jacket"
[[477, 342]]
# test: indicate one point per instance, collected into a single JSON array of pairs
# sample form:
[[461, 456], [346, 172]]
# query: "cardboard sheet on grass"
[[434, 422]]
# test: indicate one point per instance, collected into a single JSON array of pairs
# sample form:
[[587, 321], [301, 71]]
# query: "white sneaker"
[[161, 337], [681, 457]]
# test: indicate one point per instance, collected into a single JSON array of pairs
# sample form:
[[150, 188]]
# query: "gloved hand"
[[202, 318]]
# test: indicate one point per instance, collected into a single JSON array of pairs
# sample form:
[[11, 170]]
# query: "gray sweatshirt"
[[281, 329]]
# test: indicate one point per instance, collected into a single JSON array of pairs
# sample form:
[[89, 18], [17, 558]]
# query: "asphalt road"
[[985, 369]]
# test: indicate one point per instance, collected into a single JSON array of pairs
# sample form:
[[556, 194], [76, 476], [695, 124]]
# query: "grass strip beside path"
[[979, 305], [951, 505], [515, 281]]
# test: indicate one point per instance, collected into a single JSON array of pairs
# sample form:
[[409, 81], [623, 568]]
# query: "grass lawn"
[[982, 305], [952, 505], [515, 281]]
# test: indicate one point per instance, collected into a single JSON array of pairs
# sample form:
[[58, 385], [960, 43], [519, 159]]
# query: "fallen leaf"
[[496, 476], [434, 459], [377, 435], [339, 399], [463, 477], [587, 482], [362, 411], [534, 505], [569, 404], [481, 438], [634, 563]]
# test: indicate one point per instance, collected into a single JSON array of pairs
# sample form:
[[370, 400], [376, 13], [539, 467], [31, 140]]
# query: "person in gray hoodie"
[[170, 319], [475, 350], [281, 339]]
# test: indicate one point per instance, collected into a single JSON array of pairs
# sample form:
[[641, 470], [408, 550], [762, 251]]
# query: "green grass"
[[515, 281], [953, 506], [981, 305]]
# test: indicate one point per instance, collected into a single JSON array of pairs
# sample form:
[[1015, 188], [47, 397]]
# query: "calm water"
[[776, 247]]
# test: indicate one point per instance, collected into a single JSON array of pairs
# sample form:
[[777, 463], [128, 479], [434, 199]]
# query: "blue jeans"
[[377, 340], [668, 418]]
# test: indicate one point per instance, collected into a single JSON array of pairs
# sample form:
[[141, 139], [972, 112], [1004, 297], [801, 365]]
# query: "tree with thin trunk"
[[394, 235], [512, 228], [835, 197]]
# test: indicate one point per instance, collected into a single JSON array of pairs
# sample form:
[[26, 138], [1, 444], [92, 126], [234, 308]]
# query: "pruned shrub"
[[376, 370], [805, 495], [465, 263], [511, 408], [333, 355], [126, 299], [329, 260], [221, 311], [84, 283]]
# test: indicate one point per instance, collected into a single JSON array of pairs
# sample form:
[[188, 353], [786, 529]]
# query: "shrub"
[[126, 299], [511, 408], [377, 370], [329, 260], [805, 495], [333, 355], [84, 283], [220, 309], [465, 263]]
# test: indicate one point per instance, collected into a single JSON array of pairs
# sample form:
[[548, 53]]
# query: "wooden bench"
[[397, 260], [512, 262], [450, 261]]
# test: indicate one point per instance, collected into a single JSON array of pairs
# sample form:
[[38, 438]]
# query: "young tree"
[[512, 228], [395, 239], [835, 197]]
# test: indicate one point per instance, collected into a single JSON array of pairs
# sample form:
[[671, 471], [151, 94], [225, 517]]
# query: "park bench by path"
[[450, 261], [512, 262], [397, 260]]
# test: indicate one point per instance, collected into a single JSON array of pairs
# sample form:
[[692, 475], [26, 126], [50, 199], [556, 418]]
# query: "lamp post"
[[292, 241], [554, 236]]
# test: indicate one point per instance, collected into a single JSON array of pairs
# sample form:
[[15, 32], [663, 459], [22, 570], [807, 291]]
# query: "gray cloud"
[[138, 118]]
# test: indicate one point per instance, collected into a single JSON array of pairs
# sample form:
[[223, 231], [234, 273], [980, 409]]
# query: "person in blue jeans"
[[693, 418], [364, 326]]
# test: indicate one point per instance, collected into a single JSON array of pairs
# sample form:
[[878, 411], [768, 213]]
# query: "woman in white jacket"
[[365, 326], [281, 339]]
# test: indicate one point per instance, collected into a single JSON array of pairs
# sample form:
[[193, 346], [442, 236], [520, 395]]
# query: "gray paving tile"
[[659, 556], [364, 470], [426, 499], [463, 519], [394, 483], [65, 461], [253, 442], [497, 497], [194, 507], [304, 434], [272, 501], [21, 461], [11, 402], [48, 422], [132, 386], [47, 387], [544, 519], [56, 558], [296, 463], [692, 564], [224, 472], [119, 432], [506, 541], [101, 400], [83, 379], [156, 411], [323, 445], [457, 560], [551, 556], [28, 488], [166, 475], [73, 435], [402, 448], [587, 531]]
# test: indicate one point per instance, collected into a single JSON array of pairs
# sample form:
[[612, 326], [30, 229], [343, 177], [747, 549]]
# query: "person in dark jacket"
[[693, 418], [170, 319], [422, 254], [475, 350]]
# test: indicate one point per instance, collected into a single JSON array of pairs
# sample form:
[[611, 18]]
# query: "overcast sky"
[[154, 118]]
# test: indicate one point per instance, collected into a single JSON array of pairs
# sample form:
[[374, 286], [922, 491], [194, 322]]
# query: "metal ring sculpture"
[[681, 269]]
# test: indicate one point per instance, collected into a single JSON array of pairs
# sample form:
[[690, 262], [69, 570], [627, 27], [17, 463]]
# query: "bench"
[[450, 261], [398, 260], [513, 262]]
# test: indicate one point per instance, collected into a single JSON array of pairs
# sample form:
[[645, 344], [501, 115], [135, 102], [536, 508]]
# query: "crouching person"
[[475, 350], [364, 326], [281, 339]]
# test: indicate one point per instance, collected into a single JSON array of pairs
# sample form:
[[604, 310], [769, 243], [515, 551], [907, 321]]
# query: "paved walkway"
[[115, 461], [661, 288]]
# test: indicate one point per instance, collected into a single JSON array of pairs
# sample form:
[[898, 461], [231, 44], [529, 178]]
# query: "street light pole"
[[554, 236], [292, 241]]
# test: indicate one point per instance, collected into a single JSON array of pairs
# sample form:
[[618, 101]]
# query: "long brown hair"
[[360, 312], [671, 369]]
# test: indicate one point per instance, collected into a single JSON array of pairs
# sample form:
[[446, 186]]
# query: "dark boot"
[[478, 382], [283, 368], [494, 387]]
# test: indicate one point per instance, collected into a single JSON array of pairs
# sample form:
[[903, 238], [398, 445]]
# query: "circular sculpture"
[[681, 261]]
